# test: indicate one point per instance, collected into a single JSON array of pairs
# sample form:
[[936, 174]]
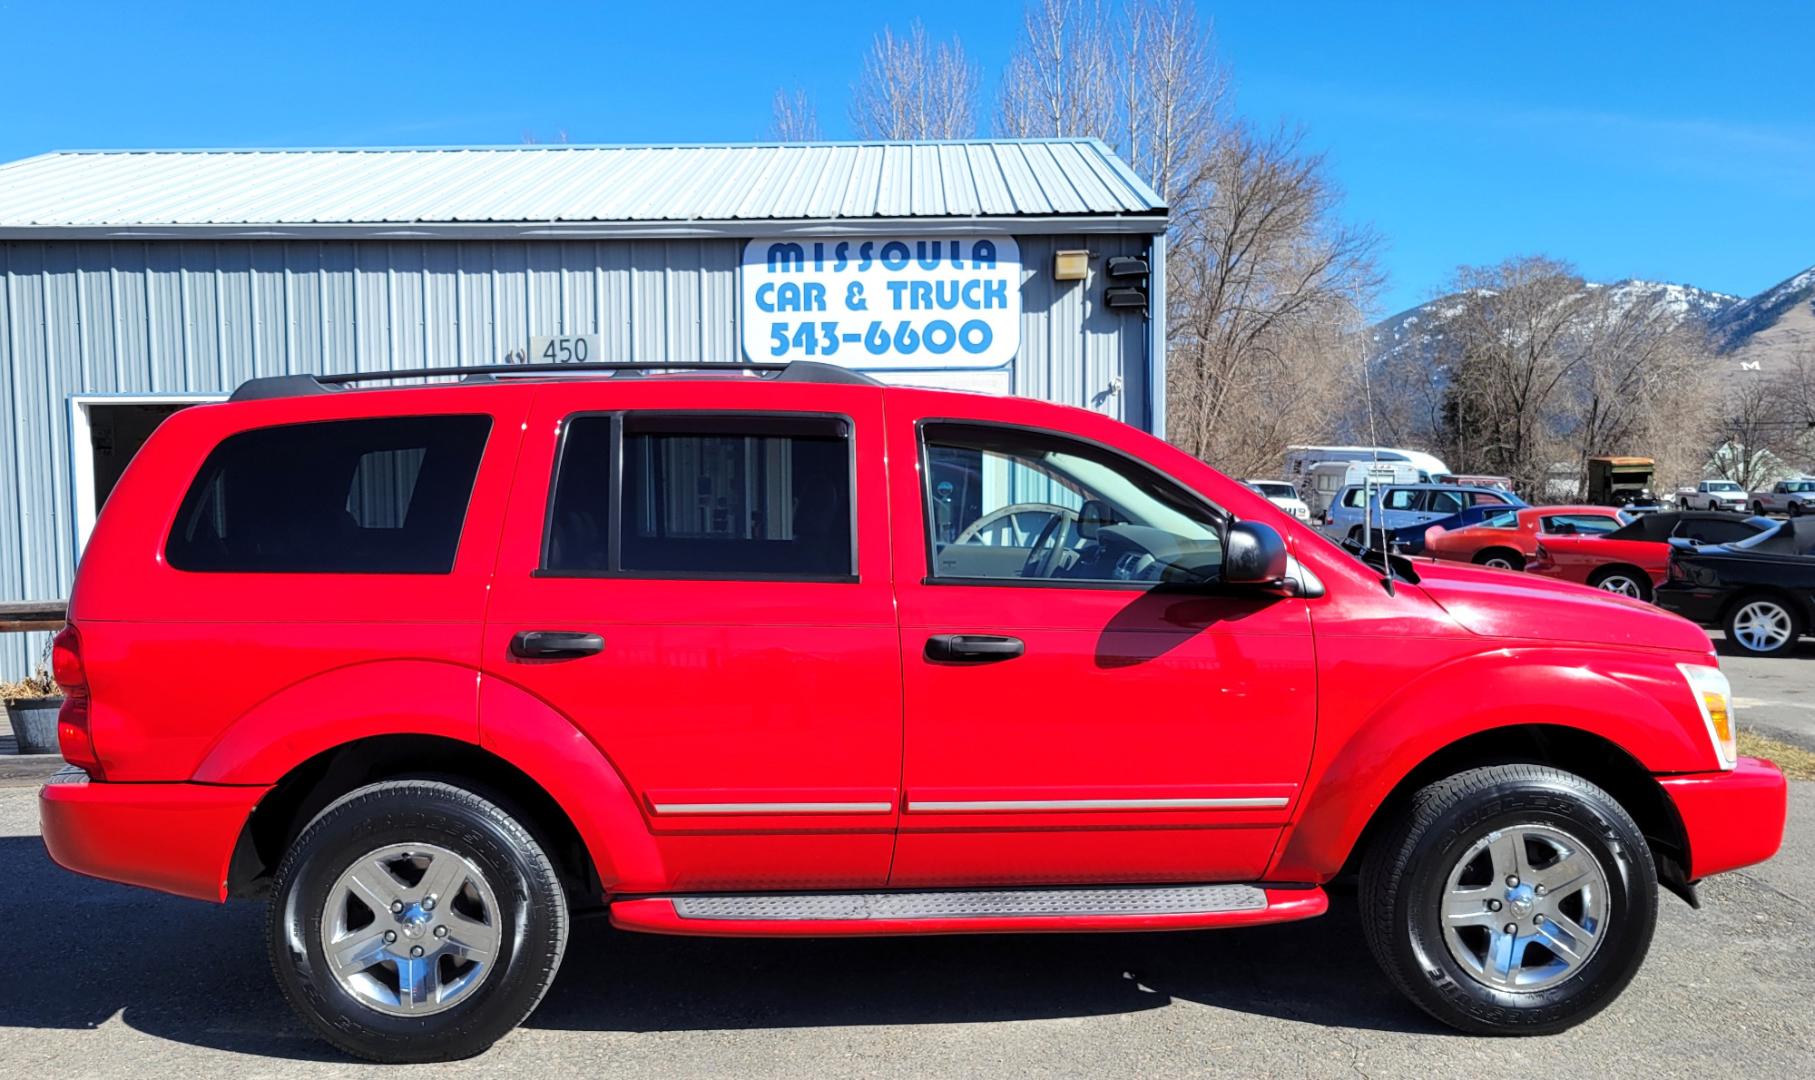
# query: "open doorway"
[[105, 433]]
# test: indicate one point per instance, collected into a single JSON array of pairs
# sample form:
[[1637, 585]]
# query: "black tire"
[[1640, 580], [1730, 621], [1406, 873], [1512, 559], [531, 919], [1758, 509], [1795, 509]]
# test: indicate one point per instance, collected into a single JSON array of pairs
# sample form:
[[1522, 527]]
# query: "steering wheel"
[[1047, 545], [1011, 516]]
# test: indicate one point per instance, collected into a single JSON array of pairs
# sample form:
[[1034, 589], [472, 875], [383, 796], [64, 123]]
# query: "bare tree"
[[1508, 352], [1643, 384], [1171, 95], [1264, 301], [1748, 434], [1060, 79], [794, 119], [912, 88]]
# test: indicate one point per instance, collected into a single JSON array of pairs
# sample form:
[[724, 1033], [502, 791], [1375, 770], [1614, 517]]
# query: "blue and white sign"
[[883, 303]]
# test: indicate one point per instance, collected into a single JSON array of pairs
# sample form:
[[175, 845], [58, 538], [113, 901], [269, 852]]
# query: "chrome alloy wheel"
[[1622, 585], [1525, 908], [411, 929], [1499, 562], [1762, 626]]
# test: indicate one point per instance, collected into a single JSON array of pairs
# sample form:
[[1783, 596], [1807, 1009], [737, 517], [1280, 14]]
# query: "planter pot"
[[34, 723]]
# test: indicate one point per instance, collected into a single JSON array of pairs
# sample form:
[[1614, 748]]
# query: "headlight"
[[1714, 697]]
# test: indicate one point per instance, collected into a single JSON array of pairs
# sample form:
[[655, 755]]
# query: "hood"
[[1504, 604]]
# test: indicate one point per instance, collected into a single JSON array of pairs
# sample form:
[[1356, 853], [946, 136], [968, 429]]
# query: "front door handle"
[[555, 644], [972, 648]]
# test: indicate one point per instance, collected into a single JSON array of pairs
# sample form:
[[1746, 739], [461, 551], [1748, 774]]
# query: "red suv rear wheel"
[[415, 921]]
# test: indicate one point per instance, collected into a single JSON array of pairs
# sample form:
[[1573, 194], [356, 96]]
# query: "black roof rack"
[[282, 386]]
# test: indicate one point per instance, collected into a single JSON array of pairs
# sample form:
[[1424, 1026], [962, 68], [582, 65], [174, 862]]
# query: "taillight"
[[73, 736], [1673, 571]]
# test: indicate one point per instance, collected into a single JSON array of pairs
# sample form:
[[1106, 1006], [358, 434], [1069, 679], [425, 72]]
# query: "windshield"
[[1800, 485]]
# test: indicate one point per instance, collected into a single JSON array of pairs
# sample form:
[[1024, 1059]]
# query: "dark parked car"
[[1761, 589]]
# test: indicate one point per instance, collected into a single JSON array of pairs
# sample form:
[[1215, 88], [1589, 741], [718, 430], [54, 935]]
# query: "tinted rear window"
[[728, 496], [384, 496]]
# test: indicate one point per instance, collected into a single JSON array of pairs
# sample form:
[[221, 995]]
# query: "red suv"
[[784, 652]]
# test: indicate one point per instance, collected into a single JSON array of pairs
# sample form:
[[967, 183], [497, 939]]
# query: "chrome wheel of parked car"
[[1624, 584], [410, 929], [1501, 559], [1762, 626], [1524, 907]]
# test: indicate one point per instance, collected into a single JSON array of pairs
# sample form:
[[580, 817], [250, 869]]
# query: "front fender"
[[1637, 701], [383, 697]]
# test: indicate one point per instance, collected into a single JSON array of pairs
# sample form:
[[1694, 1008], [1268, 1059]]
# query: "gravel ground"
[[102, 980]]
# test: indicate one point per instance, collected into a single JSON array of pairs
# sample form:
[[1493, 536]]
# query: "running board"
[[991, 911]]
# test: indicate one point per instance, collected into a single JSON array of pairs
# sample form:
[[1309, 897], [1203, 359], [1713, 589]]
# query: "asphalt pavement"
[[99, 980], [1773, 697]]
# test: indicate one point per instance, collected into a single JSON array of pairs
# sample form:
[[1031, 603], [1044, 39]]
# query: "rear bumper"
[[1730, 819], [175, 838], [1701, 606]]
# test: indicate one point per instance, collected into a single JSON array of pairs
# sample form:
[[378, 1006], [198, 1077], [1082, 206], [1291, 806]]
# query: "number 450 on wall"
[[564, 348]]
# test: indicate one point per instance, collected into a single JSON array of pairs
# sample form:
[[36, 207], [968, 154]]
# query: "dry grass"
[[1796, 763], [37, 686]]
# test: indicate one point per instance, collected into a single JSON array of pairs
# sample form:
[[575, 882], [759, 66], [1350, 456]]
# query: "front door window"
[[1029, 507]]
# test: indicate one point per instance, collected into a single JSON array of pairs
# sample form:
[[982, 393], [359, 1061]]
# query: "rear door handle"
[[972, 648], [555, 644]]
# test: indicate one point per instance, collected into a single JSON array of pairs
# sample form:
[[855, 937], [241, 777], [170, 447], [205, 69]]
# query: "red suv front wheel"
[[1512, 900]]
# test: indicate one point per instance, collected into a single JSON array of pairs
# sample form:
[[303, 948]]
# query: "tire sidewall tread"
[[1411, 864], [532, 933]]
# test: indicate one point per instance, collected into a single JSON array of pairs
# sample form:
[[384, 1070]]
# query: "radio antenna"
[[1367, 513]]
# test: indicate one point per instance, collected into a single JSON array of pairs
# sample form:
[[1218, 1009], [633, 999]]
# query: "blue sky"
[[1659, 140]]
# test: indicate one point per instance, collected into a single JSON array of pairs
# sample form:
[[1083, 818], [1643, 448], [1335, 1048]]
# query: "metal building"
[[139, 282]]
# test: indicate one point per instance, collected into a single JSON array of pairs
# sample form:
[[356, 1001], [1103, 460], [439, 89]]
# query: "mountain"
[[1756, 334], [1764, 332]]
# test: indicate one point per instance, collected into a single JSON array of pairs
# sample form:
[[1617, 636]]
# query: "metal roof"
[[575, 190]]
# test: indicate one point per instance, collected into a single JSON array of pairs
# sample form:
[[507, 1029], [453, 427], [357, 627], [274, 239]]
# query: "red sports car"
[[1631, 560], [1510, 540]]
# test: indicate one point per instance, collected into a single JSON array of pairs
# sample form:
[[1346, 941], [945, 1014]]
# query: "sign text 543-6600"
[[885, 302]]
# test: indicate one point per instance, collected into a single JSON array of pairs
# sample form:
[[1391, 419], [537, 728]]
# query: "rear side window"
[[1714, 531], [731, 496], [383, 496], [1565, 524], [1444, 502], [1485, 498], [1352, 498]]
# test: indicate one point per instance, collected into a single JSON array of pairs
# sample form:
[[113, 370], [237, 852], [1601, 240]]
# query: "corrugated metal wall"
[[185, 317]]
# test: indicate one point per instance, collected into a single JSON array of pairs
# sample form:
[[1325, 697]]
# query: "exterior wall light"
[[1070, 265]]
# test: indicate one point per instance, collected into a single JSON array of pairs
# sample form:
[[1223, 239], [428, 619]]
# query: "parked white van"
[[1299, 459]]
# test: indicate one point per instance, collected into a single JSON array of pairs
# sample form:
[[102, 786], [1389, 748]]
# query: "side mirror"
[[1253, 554]]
